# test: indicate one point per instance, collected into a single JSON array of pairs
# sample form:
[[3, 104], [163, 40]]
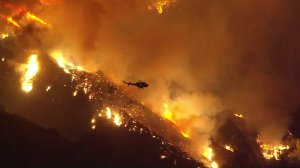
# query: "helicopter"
[[139, 84]]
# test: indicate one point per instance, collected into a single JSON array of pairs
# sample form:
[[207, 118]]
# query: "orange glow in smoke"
[[49, 2]]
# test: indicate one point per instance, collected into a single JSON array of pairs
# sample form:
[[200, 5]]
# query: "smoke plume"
[[200, 57]]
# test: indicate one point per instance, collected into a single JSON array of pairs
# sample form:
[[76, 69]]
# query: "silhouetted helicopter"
[[139, 84]]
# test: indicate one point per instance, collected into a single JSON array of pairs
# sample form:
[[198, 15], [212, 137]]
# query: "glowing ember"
[[239, 115], [48, 88], [37, 19], [160, 5], [94, 127], [31, 69], [163, 156], [93, 121], [12, 21], [2, 59], [229, 148], [75, 93]]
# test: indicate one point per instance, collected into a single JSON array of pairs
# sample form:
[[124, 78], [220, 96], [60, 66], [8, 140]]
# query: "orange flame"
[[37, 19], [167, 114], [272, 151], [160, 5], [208, 154], [4, 36], [184, 134], [13, 22], [31, 69]]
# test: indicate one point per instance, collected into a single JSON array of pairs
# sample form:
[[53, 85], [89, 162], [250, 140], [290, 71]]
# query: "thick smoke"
[[200, 57]]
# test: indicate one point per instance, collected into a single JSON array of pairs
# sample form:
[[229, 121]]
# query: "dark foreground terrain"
[[25, 144]]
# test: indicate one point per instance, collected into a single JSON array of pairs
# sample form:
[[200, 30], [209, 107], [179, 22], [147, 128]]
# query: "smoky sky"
[[205, 56], [241, 55]]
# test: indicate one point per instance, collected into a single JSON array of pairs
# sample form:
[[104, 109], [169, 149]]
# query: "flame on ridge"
[[169, 115], [160, 5], [209, 155], [272, 151], [31, 70], [13, 22], [37, 19]]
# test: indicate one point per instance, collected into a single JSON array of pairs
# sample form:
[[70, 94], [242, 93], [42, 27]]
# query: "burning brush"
[[116, 106], [160, 5]]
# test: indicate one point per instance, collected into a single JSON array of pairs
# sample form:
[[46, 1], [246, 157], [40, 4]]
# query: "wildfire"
[[167, 114], [214, 165], [61, 61], [31, 69], [12, 21], [37, 19], [108, 113], [160, 5], [4, 36], [208, 154], [117, 119], [114, 116], [64, 64], [184, 134], [273, 152], [229, 148], [70, 68], [90, 84]]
